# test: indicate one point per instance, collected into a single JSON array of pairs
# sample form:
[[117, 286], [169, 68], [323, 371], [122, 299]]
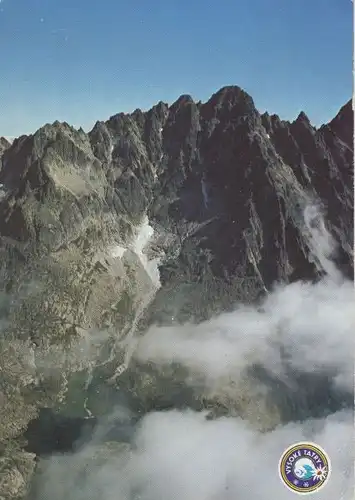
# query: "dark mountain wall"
[[225, 191]]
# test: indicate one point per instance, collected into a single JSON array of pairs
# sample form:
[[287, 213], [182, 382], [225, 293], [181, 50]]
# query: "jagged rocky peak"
[[232, 105], [220, 154], [303, 131], [339, 126], [58, 132], [53, 153], [302, 118], [232, 96], [227, 143], [183, 100], [220, 163], [50, 180], [101, 141], [272, 122], [4, 144]]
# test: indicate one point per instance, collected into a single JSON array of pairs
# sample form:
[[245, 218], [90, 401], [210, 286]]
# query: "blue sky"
[[80, 61]]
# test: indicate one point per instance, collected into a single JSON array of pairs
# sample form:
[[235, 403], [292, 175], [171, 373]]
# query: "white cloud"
[[310, 325], [183, 456]]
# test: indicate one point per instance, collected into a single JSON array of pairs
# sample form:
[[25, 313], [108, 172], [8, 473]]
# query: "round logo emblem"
[[304, 467]]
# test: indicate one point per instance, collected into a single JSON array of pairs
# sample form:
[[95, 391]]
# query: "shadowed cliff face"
[[212, 195], [4, 144], [232, 184], [217, 174]]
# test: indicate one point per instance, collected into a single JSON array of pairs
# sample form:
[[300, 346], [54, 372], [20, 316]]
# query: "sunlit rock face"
[[165, 216]]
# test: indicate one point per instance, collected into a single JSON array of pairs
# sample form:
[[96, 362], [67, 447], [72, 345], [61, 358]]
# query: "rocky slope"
[[213, 194], [4, 144]]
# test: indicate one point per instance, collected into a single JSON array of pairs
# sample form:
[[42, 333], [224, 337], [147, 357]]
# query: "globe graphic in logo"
[[304, 467]]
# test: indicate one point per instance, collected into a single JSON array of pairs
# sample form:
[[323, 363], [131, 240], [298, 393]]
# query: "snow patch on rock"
[[117, 251], [140, 243], [143, 237]]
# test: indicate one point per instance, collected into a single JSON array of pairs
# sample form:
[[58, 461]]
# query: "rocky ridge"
[[213, 194]]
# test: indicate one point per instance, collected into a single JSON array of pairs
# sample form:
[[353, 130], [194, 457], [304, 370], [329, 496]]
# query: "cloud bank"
[[298, 342]]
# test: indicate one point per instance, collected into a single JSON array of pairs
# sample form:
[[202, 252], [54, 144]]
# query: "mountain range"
[[163, 217]]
